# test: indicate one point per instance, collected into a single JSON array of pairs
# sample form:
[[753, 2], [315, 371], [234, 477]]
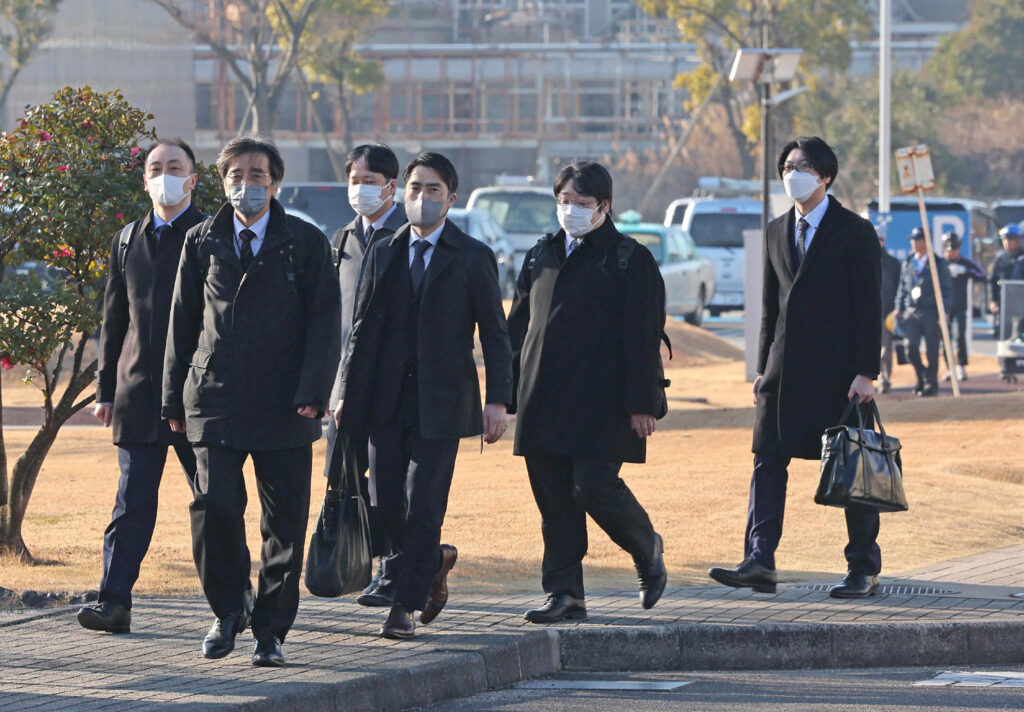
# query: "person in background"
[[252, 350], [917, 312], [372, 171], [1002, 268], [963, 272], [890, 283]]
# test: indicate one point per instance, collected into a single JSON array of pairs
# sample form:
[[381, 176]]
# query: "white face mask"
[[366, 199], [800, 186], [576, 221], [167, 190]]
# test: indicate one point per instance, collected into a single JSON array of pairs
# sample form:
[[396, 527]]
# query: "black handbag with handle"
[[861, 467], [339, 559]]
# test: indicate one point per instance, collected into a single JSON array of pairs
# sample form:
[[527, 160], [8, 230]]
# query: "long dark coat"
[[820, 328], [890, 281], [348, 242], [246, 349], [586, 343], [136, 311], [460, 294]]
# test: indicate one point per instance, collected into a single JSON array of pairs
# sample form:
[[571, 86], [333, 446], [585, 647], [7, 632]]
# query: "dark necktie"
[[573, 245], [245, 238], [801, 238], [419, 265], [158, 232], [368, 235]]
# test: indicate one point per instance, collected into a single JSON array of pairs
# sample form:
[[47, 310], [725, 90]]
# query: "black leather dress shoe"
[[652, 576], [267, 653], [749, 574], [438, 595], [377, 597], [399, 624], [558, 607], [109, 616], [221, 639], [855, 585], [376, 577]]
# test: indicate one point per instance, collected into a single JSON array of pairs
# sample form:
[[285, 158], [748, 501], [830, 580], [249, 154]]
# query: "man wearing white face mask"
[[372, 171], [140, 282], [819, 348]]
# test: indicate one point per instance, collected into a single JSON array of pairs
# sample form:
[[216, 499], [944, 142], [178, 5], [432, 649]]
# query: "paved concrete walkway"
[[958, 612]]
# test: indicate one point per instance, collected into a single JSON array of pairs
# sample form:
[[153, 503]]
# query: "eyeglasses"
[[250, 177], [585, 204], [802, 166]]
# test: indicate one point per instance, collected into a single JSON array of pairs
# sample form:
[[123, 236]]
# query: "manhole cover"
[[891, 590]]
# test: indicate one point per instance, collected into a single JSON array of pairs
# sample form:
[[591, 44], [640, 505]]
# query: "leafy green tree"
[[261, 54], [986, 59], [24, 24], [69, 176], [717, 28]]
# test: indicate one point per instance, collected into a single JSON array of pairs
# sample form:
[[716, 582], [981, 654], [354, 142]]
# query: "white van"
[[717, 226], [526, 214]]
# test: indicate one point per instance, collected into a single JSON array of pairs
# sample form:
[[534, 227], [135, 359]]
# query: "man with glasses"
[[410, 380], [820, 340], [586, 329], [252, 351]]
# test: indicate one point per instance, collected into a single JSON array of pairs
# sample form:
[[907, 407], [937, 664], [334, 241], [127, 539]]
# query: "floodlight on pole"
[[766, 66]]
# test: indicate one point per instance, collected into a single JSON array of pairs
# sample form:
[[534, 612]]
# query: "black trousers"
[[127, 538], [379, 545], [410, 477], [566, 490], [923, 324], [282, 482], [959, 325], [768, 506]]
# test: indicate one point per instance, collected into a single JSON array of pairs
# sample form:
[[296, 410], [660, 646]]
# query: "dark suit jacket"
[[890, 281], [820, 327], [904, 295], [247, 348], [136, 311], [350, 265], [460, 293], [586, 339]]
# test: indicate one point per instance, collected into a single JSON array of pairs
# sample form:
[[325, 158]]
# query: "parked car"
[[717, 226], [480, 225], [303, 215], [689, 278], [525, 213], [326, 203]]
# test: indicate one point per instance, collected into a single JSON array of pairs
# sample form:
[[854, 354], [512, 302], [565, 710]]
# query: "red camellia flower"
[[119, 216], [44, 136], [135, 150], [87, 124], [6, 363], [62, 169]]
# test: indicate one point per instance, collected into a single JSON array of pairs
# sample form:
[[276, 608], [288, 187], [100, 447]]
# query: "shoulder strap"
[[123, 242], [533, 255], [623, 252]]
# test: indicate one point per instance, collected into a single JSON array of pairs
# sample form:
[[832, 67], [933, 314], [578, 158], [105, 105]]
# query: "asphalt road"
[[888, 690]]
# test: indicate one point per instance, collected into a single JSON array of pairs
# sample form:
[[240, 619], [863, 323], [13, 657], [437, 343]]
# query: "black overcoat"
[[586, 344], [246, 349], [350, 265], [460, 294], [820, 327], [136, 311], [891, 268]]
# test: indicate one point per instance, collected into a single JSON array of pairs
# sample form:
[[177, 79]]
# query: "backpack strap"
[[338, 242], [123, 242]]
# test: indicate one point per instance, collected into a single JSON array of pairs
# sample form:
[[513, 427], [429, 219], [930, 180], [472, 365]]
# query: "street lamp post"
[[766, 66]]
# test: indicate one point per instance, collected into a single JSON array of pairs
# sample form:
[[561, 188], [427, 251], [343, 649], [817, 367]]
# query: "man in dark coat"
[[890, 283], [917, 312], [136, 308], [962, 272], [1002, 268], [252, 350], [819, 348], [411, 380], [372, 171], [586, 326]]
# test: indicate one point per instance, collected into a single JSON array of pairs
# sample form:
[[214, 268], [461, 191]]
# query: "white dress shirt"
[[432, 238], [379, 222], [259, 227], [813, 219]]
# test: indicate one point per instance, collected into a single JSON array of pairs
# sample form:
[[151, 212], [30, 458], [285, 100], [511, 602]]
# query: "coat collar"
[[223, 230], [451, 239], [600, 238], [822, 234]]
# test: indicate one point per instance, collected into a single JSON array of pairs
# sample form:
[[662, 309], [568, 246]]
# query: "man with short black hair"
[[136, 307], [410, 380], [372, 171], [252, 350], [819, 349]]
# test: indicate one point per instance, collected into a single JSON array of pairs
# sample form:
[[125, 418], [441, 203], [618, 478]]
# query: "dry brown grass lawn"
[[964, 478]]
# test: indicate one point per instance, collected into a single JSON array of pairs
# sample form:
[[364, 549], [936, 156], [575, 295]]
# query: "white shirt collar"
[[814, 217], [158, 221], [432, 238], [259, 227], [379, 222]]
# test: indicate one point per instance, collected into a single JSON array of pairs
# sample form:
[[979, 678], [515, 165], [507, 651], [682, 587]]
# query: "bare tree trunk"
[[346, 114]]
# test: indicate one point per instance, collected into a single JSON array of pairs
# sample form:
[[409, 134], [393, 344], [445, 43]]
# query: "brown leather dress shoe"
[[439, 590], [399, 624]]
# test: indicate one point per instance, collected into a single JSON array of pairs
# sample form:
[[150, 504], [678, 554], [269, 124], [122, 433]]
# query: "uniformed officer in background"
[[963, 273]]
